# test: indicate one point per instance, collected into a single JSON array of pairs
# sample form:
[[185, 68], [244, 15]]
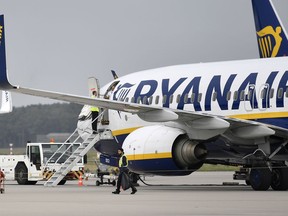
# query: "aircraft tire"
[[260, 179], [21, 173], [279, 180]]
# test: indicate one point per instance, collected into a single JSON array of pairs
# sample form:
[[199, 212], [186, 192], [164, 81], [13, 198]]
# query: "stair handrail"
[[71, 144]]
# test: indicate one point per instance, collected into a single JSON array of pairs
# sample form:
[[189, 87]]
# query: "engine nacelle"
[[163, 150]]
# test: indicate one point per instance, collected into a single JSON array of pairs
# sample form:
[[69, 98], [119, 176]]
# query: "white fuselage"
[[247, 89]]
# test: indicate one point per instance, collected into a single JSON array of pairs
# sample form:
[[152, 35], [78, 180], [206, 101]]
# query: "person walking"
[[123, 166], [2, 178], [94, 112]]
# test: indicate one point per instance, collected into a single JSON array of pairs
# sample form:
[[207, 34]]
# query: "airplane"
[[271, 34], [172, 120]]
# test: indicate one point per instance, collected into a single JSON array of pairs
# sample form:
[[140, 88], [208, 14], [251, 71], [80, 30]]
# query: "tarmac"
[[201, 193]]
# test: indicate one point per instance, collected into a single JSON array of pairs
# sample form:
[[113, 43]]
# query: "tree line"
[[25, 123]]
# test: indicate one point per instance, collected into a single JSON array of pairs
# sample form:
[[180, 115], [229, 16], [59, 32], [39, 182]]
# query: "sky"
[[56, 45]]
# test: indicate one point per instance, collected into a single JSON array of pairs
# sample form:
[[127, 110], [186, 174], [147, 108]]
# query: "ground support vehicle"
[[34, 166]]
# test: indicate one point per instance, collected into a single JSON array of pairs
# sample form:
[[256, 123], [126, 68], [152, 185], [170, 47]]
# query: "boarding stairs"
[[74, 156]]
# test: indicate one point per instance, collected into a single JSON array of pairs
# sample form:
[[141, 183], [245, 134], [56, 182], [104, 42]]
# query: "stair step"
[[73, 158]]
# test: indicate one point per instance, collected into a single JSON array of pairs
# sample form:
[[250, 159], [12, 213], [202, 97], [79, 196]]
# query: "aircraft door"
[[249, 97], [93, 85], [263, 97]]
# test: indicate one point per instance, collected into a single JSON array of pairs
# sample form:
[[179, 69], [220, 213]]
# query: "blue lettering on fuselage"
[[194, 86], [216, 87], [168, 92], [247, 91], [140, 95]]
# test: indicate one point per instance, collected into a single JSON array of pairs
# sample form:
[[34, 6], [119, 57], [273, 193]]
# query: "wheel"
[[21, 174], [62, 182], [279, 180], [97, 183], [260, 179], [114, 183]]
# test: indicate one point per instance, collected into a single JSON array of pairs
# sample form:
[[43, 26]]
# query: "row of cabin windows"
[[236, 95]]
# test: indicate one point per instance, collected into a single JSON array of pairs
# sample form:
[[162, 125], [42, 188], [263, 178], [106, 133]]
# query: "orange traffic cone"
[[80, 182]]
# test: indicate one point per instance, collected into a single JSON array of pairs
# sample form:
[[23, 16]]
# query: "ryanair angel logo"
[[1, 27], [269, 41]]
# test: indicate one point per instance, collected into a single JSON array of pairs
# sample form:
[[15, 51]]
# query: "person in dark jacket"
[[123, 167]]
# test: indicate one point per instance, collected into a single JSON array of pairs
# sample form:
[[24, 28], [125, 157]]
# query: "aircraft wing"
[[150, 113], [103, 103]]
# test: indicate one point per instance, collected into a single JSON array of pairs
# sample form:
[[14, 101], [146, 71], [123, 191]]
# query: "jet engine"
[[163, 150]]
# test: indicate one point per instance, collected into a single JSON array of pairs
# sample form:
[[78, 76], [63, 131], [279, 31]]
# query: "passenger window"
[[249, 96], [132, 100], [271, 93], [199, 97], [157, 99], [287, 92], [151, 100], [235, 96], [228, 96], [186, 98], [242, 95], [171, 99], [164, 99], [145, 100], [127, 99], [214, 96], [280, 93], [192, 97], [138, 99], [263, 93], [178, 98]]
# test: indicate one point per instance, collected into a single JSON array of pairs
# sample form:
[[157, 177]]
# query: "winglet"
[[6, 102], [271, 34], [4, 83]]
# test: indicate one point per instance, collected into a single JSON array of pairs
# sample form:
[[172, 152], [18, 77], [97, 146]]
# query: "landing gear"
[[260, 178], [279, 180]]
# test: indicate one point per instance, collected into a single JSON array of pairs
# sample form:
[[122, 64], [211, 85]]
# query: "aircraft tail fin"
[[114, 74], [6, 102], [4, 83], [271, 34]]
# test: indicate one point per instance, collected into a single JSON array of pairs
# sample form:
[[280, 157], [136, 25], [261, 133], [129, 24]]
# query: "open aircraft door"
[[263, 97], [249, 97], [93, 85]]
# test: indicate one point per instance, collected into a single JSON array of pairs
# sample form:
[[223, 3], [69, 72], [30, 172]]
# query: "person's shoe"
[[133, 191], [116, 192]]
